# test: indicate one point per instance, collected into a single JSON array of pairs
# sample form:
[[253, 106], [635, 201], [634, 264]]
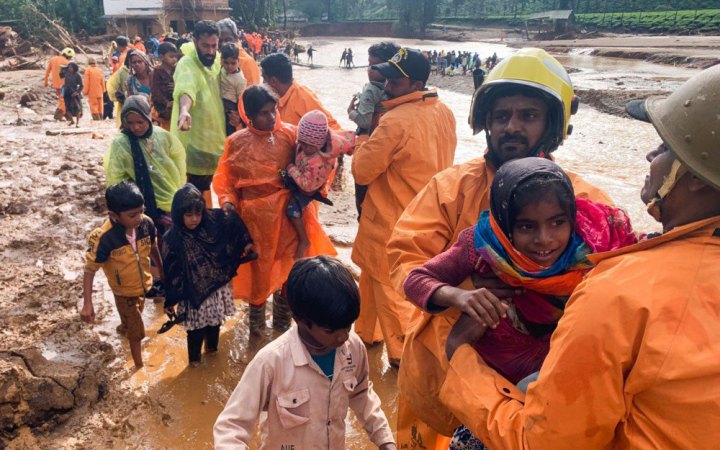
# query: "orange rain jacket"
[[248, 177], [249, 67], [414, 141], [94, 82], [450, 203], [634, 362], [299, 100], [53, 69]]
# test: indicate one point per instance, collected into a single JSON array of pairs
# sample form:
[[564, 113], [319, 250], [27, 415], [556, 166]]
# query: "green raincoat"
[[205, 141], [118, 82], [165, 157]]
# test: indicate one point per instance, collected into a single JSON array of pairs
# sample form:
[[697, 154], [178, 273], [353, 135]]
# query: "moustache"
[[513, 139]]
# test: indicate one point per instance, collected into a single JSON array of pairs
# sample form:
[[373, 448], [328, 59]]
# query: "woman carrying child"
[[536, 236], [248, 181], [72, 93], [315, 156], [201, 254], [150, 156]]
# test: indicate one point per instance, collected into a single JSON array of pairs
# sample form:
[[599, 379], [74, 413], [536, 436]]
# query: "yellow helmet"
[[530, 69], [68, 52]]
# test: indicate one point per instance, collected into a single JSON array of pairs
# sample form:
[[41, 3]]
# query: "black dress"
[[72, 93]]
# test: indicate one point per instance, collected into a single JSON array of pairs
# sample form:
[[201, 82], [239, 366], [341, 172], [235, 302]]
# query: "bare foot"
[[302, 248]]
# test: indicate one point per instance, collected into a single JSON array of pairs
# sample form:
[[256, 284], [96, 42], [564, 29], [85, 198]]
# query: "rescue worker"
[[198, 118], [229, 34], [295, 99], [524, 106], [414, 140], [634, 360], [53, 70], [94, 88]]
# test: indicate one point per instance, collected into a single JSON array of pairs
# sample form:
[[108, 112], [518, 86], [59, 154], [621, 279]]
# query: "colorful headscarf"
[[597, 228]]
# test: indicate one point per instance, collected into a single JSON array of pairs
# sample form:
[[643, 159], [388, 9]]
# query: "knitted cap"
[[313, 128]]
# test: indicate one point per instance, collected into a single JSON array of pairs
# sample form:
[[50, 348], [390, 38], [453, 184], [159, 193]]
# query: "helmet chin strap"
[[654, 206]]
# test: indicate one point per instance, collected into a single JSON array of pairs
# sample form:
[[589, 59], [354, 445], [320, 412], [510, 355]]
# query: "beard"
[[206, 61]]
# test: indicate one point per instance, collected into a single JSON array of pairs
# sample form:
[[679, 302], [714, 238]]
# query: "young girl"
[[201, 254], [537, 237], [72, 94], [317, 150]]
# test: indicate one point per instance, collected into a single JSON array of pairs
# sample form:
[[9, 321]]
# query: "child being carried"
[[316, 153]]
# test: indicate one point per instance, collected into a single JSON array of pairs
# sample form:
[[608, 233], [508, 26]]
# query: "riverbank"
[[698, 52], [609, 101]]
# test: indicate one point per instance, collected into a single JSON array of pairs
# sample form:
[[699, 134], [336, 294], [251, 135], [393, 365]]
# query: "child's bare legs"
[[303, 241], [136, 352]]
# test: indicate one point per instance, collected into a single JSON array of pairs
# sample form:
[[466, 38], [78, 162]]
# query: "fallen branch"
[[63, 35], [67, 132]]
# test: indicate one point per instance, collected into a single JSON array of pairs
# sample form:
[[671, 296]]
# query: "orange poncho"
[[248, 177]]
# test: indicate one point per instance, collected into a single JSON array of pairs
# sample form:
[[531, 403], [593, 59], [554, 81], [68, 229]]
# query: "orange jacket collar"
[[290, 92], [429, 95], [701, 228]]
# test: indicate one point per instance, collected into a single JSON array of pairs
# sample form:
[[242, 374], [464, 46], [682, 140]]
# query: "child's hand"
[[87, 313], [170, 310], [465, 331], [353, 104], [483, 306], [228, 208]]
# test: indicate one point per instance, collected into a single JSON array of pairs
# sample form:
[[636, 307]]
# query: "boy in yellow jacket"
[[123, 247]]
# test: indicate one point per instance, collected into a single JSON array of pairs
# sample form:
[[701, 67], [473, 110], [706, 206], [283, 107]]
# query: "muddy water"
[[608, 151]]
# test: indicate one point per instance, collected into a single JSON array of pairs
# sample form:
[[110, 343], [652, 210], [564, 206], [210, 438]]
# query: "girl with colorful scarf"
[[535, 237], [201, 254]]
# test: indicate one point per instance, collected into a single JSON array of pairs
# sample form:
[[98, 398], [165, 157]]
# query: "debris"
[[69, 132]]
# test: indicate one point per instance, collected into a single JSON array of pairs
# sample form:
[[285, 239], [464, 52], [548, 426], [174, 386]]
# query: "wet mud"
[[66, 384]]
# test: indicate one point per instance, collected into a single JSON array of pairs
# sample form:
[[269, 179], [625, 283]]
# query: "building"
[[148, 17], [559, 21]]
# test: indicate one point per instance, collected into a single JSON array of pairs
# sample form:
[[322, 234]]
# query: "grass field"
[[706, 20]]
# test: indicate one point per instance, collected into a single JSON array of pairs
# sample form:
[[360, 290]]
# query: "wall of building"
[[132, 7]]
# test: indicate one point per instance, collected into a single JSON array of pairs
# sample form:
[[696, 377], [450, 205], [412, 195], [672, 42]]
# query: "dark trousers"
[[195, 338], [202, 182]]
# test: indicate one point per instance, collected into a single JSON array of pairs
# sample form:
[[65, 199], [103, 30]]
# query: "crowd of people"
[[517, 301]]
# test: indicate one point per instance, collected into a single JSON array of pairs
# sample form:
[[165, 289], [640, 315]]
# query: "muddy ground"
[[66, 384]]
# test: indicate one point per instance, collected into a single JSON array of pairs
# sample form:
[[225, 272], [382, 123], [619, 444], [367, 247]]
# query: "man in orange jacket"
[[94, 88], [53, 70], [413, 141], [634, 360], [295, 99], [525, 107]]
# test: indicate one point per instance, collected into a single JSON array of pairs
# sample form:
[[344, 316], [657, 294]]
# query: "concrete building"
[[148, 17]]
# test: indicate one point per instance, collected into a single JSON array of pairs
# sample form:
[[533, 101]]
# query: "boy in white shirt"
[[307, 378], [232, 85]]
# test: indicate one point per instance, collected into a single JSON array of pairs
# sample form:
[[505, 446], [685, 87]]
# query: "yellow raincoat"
[[414, 140], [450, 203], [165, 159], [634, 362], [118, 83], [205, 140], [248, 177]]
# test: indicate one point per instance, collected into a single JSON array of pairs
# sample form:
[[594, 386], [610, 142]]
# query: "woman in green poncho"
[[150, 156]]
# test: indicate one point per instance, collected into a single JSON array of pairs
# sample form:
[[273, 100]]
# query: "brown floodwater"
[[607, 150]]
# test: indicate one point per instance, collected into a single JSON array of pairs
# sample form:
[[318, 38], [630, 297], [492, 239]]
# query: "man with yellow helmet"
[[633, 362], [524, 106], [53, 69]]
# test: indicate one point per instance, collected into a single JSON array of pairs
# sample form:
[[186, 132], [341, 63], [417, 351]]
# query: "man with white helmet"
[[54, 67], [524, 106], [633, 362]]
